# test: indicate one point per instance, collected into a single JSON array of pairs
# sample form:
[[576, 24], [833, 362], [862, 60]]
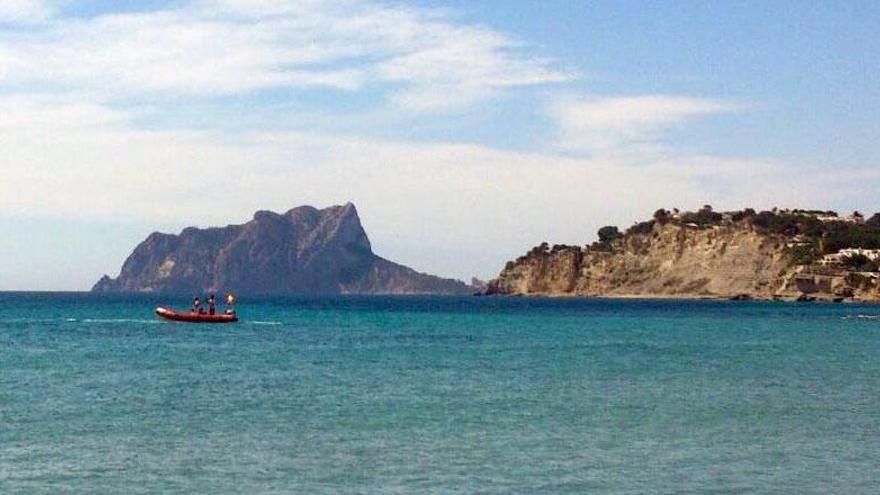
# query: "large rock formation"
[[303, 251], [725, 259]]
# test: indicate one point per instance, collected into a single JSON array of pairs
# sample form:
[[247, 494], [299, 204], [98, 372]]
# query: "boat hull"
[[190, 317]]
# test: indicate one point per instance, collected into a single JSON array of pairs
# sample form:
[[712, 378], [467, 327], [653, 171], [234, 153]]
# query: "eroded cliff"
[[730, 259]]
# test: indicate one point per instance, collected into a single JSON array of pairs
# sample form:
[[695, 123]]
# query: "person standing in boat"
[[230, 303], [197, 304], [212, 307]]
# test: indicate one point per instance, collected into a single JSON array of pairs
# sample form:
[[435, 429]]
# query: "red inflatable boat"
[[191, 317]]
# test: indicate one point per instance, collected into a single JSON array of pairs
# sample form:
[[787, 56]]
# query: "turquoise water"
[[439, 395]]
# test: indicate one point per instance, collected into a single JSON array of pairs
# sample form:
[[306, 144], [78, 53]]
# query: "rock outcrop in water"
[[303, 251], [739, 255]]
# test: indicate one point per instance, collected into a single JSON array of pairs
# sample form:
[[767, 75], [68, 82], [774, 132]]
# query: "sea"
[[438, 395]]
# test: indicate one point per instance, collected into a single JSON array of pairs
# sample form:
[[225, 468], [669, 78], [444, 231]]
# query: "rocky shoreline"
[[693, 297], [780, 255]]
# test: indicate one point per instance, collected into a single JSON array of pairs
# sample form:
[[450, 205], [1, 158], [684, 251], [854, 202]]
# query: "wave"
[[272, 323], [862, 317], [119, 320], [35, 320], [78, 320]]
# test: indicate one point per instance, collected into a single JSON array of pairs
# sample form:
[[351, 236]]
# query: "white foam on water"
[[862, 317], [119, 320], [272, 323], [35, 320]]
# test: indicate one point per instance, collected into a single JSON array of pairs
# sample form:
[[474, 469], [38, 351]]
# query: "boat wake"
[[35, 320], [118, 320], [77, 320]]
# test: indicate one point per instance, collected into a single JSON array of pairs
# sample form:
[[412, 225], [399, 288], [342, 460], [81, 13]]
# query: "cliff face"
[[303, 251], [674, 260]]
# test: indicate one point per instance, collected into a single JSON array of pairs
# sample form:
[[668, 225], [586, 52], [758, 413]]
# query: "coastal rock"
[[303, 251], [718, 259]]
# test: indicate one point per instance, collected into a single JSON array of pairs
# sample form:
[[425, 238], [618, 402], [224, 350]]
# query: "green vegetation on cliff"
[[814, 232]]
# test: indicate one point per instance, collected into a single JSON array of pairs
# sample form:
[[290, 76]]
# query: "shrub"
[[857, 280], [703, 218], [860, 263], [812, 227], [738, 216], [562, 247], [661, 216], [608, 234], [540, 249], [803, 254], [642, 227], [789, 224], [842, 235]]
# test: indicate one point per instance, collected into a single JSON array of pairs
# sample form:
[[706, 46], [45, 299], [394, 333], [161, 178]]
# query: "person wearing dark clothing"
[[197, 305], [212, 308]]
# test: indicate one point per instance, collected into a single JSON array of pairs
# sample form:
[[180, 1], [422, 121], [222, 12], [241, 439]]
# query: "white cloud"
[[231, 47], [611, 123], [40, 113], [24, 11], [461, 66]]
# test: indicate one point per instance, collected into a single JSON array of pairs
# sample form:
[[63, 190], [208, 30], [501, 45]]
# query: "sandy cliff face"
[[674, 260]]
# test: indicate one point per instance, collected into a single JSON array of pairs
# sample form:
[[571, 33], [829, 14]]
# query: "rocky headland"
[[302, 251], [781, 254]]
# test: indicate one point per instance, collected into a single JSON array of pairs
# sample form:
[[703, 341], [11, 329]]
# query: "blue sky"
[[465, 132]]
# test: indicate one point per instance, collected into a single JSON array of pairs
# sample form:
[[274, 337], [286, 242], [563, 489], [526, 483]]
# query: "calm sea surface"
[[439, 395]]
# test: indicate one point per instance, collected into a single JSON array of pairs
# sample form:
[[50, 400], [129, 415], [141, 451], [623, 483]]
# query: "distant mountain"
[[303, 251]]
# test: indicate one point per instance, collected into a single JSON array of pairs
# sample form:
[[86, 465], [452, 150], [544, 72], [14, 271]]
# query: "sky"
[[464, 132]]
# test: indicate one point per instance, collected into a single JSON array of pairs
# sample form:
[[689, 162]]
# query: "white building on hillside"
[[838, 257]]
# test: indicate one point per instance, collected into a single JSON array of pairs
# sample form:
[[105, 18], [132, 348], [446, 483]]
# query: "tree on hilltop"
[[608, 234], [662, 216]]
